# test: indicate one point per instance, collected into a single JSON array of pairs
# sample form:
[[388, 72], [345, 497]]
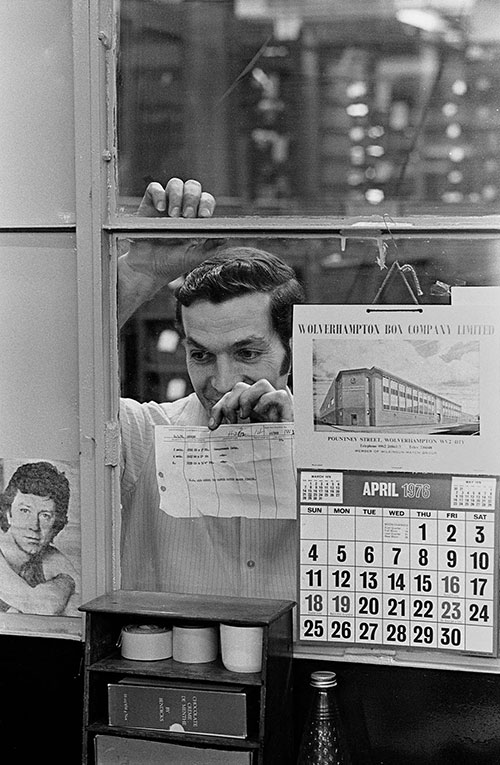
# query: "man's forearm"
[[47, 598], [147, 267], [134, 289], [150, 265]]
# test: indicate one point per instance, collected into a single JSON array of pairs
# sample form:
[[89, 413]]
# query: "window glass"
[[312, 106], [354, 271]]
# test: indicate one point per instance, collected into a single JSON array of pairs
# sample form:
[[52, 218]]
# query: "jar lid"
[[323, 679]]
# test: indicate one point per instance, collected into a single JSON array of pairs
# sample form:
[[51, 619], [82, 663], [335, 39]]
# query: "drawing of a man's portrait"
[[40, 556]]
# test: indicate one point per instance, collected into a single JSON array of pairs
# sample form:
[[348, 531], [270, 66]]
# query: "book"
[[219, 711], [118, 750]]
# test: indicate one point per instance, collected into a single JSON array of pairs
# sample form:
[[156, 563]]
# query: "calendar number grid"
[[399, 576]]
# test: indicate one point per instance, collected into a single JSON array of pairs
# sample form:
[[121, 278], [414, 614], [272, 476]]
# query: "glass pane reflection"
[[152, 359], [313, 106]]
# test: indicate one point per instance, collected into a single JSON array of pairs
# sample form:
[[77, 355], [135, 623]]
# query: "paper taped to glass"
[[245, 470]]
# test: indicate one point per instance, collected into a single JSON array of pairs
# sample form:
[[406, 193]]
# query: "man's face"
[[231, 342], [32, 521]]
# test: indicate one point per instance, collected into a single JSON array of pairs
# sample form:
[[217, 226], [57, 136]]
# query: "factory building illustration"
[[365, 396]]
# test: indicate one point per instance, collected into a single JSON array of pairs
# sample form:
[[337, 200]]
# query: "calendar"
[[397, 417], [398, 560]]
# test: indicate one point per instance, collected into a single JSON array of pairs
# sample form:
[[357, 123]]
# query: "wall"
[[40, 682]]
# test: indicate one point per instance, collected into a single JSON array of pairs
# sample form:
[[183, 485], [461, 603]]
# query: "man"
[[35, 577], [235, 313]]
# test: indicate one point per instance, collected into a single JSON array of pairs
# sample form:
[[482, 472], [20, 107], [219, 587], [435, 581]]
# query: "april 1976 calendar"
[[404, 560], [398, 465]]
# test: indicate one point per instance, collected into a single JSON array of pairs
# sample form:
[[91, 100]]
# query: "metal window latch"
[[104, 39], [111, 444]]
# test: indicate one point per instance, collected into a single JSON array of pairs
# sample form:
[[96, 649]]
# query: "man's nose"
[[34, 522], [225, 376]]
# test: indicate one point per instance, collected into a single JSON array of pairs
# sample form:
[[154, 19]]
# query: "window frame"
[[420, 225], [105, 225]]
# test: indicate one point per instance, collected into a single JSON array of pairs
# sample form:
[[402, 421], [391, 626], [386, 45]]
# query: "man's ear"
[[288, 371]]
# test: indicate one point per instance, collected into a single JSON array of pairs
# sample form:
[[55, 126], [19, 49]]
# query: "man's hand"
[[259, 402], [178, 199], [150, 264]]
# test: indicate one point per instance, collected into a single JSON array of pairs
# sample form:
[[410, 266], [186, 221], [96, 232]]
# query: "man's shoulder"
[[51, 551], [7, 543], [52, 556], [184, 411]]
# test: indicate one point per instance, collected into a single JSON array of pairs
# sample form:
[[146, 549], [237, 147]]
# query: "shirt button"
[[251, 563]]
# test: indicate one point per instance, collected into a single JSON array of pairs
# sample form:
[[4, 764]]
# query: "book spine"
[[179, 710]]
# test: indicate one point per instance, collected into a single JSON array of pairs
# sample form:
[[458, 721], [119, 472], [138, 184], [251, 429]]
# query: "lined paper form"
[[245, 470]]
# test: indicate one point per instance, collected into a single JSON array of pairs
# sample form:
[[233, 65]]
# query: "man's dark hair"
[[237, 271], [44, 480]]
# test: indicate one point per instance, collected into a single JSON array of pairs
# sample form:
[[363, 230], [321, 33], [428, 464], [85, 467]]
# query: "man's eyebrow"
[[190, 340], [238, 344], [250, 339]]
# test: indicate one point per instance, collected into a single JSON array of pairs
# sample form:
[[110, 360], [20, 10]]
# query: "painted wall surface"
[[38, 346], [39, 374], [37, 176], [39, 414]]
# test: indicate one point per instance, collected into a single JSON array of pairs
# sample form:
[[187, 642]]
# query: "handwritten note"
[[237, 470]]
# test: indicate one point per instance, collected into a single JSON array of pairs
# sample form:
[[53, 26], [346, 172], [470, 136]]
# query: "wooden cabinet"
[[269, 691]]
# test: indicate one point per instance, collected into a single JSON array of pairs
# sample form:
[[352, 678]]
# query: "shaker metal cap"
[[323, 679]]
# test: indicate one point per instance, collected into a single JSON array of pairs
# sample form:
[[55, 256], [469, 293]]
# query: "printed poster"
[[40, 548], [397, 388], [397, 447]]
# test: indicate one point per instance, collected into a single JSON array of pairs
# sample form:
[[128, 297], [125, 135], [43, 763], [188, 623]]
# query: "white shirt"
[[208, 555]]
